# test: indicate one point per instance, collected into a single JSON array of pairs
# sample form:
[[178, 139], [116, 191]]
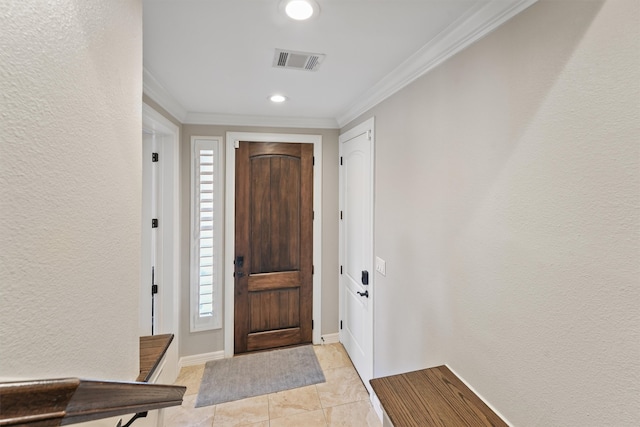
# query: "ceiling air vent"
[[297, 60]]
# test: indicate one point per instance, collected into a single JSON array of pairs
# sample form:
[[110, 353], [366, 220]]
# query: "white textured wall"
[[70, 171], [508, 211]]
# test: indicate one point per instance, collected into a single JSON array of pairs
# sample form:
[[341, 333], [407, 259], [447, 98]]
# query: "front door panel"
[[274, 245]]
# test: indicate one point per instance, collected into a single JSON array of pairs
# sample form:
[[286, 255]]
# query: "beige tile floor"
[[341, 401]]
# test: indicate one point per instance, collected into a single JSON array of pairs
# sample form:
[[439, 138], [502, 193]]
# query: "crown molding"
[[154, 90], [456, 37], [268, 121]]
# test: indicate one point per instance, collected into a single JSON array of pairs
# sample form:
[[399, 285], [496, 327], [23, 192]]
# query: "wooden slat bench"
[[152, 350], [431, 397]]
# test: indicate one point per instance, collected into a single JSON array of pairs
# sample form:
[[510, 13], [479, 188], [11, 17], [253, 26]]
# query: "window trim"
[[197, 322]]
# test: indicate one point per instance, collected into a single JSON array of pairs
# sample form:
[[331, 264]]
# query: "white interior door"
[[151, 238], [356, 247], [161, 245]]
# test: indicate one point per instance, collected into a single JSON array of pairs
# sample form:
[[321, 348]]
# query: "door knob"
[[364, 294]]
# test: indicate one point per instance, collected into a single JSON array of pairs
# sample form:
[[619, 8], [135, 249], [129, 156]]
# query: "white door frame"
[[168, 140], [232, 142], [366, 127]]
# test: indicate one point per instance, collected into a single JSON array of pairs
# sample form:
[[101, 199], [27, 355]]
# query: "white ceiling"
[[210, 61]]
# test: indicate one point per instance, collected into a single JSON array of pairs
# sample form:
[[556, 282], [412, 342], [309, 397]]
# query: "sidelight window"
[[206, 231]]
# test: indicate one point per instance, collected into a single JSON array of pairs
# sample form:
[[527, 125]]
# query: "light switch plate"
[[381, 266]]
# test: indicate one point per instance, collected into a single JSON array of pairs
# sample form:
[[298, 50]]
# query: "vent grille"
[[282, 59], [297, 60]]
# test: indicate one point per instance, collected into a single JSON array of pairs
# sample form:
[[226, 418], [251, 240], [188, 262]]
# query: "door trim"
[[232, 139], [364, 127]]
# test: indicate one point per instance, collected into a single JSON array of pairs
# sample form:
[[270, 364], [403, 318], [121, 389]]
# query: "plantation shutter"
[[205, 250]]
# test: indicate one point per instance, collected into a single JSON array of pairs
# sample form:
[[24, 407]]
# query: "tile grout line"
[[324, 414]]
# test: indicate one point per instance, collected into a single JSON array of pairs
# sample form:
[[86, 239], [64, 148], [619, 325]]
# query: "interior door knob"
[[364, 294]]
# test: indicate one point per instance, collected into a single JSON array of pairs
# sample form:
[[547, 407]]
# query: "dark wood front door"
[[273, 245]]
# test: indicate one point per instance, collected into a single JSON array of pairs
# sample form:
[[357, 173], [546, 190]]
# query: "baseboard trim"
[[330, 338], [479, 395], [200, 359], [377, 406]]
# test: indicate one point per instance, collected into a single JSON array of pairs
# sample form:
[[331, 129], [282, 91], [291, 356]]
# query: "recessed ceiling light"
[[300, 9], [277, 98]]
